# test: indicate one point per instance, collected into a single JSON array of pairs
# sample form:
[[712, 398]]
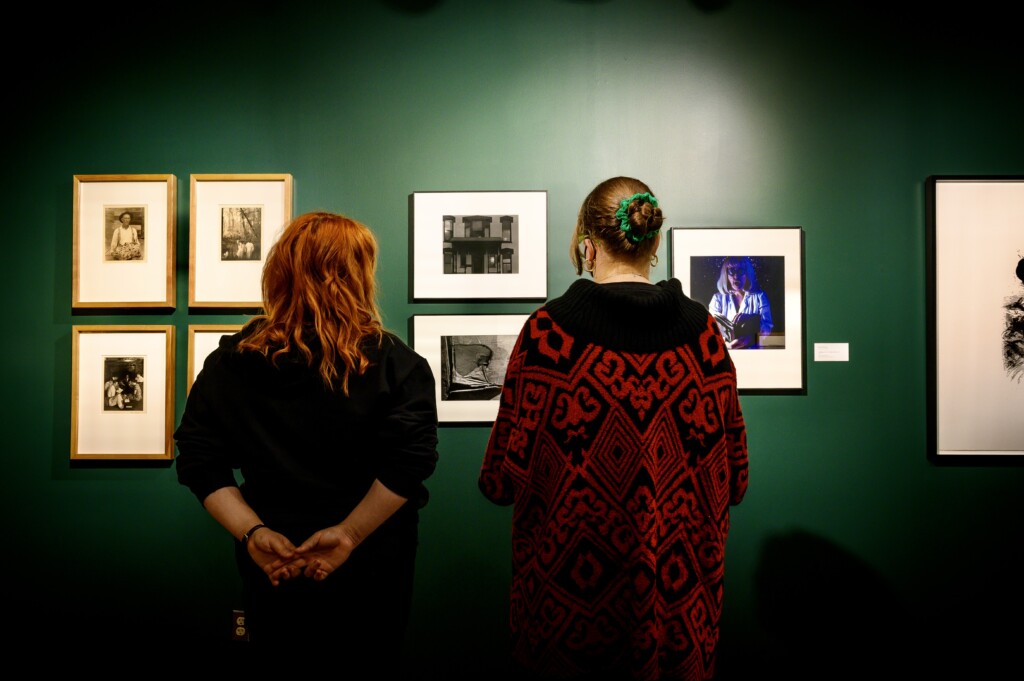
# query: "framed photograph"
[[122, 392], [124, 241], [233, 222], [975, 313], [468, 355], [479, 245], [751, 280], [202, 340]]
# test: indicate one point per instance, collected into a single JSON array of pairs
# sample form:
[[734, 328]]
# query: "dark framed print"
[[468, 355], [124, 241], [233, 222], [751, 280], [479, 245], [975, 290], [202, 340], [122, 392]]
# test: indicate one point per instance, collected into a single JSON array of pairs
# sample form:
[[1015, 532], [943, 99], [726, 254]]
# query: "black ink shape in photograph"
[[1013, 335]]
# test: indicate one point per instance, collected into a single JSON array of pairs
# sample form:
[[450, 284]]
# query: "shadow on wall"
[[420, 6], [823, 610], [412, 6], [826, 614]]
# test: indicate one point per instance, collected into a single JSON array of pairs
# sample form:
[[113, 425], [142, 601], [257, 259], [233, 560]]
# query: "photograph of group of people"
[[122, 390]]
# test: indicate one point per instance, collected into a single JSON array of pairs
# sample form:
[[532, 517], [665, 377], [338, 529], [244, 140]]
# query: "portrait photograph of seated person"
[[745, 295]]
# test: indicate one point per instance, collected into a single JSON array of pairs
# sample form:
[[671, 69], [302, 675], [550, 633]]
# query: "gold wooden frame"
[[103, 429], [195, 363], [99, 280], [216, 278]]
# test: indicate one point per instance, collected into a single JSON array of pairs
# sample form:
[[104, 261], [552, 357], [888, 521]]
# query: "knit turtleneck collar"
[[627, 316]]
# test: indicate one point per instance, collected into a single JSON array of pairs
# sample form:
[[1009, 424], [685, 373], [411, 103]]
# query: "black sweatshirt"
[[308, 455]]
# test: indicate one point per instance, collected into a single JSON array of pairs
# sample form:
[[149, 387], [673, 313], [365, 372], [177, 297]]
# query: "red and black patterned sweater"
[[620, 443]]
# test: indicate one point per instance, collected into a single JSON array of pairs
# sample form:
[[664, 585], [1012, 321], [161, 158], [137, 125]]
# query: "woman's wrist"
[[248, 534]]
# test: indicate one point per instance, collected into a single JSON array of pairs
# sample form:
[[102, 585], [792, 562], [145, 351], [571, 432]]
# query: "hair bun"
[[639, 217], [647, 215]]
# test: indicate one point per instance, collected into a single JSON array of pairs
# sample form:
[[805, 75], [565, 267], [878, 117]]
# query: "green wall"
[[741, 113]]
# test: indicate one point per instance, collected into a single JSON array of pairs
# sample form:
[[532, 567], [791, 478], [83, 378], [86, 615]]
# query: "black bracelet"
[[248, 535]]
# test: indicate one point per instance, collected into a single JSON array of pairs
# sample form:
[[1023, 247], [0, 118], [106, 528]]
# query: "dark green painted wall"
[[737, 113]]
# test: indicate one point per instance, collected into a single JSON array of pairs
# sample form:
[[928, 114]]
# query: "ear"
[[589, 250]]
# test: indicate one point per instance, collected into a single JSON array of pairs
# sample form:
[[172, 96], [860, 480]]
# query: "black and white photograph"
[[469, 355], [473, 367], [975, 289], [751, 281], [240, 230], [479, 245], [122, 391], [234, 220], [123, 388], [124, 241]]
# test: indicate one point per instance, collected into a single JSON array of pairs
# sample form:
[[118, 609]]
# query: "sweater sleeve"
[[494, 481], [204, 461], [408, 433], [764, 308], [736, 439]]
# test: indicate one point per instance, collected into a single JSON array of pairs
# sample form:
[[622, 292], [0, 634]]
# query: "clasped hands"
[[316, 558]]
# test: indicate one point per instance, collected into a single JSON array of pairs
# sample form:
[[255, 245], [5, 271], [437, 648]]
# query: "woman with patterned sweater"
[[620, 445]]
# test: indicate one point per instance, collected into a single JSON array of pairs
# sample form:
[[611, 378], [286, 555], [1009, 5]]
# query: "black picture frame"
[[435, 337], [478, 245], [777, 363], [974, 261]]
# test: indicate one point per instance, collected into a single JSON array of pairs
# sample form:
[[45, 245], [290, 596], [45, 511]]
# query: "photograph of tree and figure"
[[240, 229]]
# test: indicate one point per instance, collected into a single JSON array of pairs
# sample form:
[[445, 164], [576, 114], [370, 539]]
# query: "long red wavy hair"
[[319, 297]]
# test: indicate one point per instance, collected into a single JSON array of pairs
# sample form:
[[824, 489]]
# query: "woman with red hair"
[[332, 422]]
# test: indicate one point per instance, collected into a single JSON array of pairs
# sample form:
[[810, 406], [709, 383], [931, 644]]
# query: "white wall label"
[[831, 352]]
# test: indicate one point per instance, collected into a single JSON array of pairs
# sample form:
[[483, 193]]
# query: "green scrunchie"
[[624, 217]]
